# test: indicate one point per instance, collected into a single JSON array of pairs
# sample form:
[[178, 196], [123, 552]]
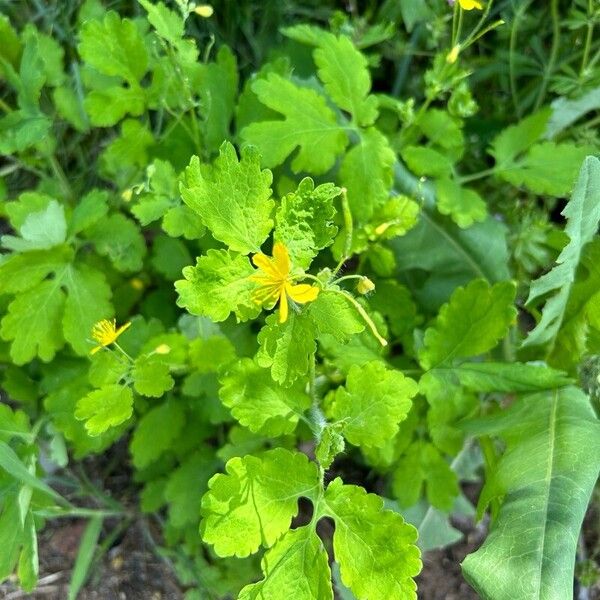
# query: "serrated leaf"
[[287, 348], [544, 481], [107, 407], [233, 197], [374, 547], [344, 73], [367, 173], [304, 221], [372, 403], [422, 160], [260, 403], [33, 323], [155, 432], [464, 206], [309, 123], [88, 211], [253, 504], [295, 568], [333, 315], [151, 376], [167, 23], [108, 106], [583, 215], [114, 47], [471, 323], [217, 286], [21, 272]]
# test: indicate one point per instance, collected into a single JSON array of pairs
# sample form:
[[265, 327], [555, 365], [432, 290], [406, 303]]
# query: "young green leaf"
[[333, 315], [471, 323], [464, 206], [260, 403], [233, 197], [107, 407], [295, 568], [218, 285], [309, 123], [253, 504], [151, 376], [583, 215], [372, 403]]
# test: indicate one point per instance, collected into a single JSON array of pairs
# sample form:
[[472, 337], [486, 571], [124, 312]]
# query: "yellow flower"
[[470, 4], [105, 332], [276, 284]]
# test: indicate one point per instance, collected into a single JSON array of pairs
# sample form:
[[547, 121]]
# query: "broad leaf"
[[105, 408]]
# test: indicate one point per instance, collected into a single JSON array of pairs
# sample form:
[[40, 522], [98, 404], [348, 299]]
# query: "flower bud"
[[162, 349], [453, 54], [204, 10], [364, 285]]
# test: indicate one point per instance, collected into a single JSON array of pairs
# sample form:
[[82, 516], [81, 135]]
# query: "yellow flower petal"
[[302, 292], [281, 258], [470, 4], [265, 264], [283, 306]]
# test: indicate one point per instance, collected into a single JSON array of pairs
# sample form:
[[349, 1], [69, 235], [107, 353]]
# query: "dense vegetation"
[[316, 264]]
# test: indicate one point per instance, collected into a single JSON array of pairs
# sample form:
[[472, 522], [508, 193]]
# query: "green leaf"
[[374, 547], [471, 323], [259, 403], [547, 168], [169, 256], [40, 231], [217, 286], [583, 215], [566, 111], [287, 348], [107, 407], [423, 466], [85, 555], [108, 106], [21, 272], [33, 323], [544, 481], [334, 315], [309, 123], [28, 567], [155, 433], [344, 73], [88, 301], [151, 376], [367, 173], [372, 403], [233, 197], [295, 568], [422, 160], [167, 23], [304, 221], [253, 504], [464, 206], [114, 47], [88, 211]]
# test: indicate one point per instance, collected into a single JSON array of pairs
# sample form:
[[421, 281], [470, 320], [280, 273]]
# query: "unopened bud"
[[127, 195], [453, 54], [162, 349], [364, 285], [137, 284], [204, 10]]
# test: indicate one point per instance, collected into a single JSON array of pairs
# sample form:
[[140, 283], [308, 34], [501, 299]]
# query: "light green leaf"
[[309, 123], [372, 403], [544, 481], [464, 206], [151, 376], [108, 106], [422, 466], [367, 173], [88, 301], [155, 433], [33, 323], [88, 211], [167, 23], [217, 286], [295, 568], [85, 555], [422, 160], [287, 348], [344, 73], [253, 504], [565, 111], [374, 547], [260, 403], [471, 323], [107, 407], [28, 567], [334, 315], [40, 231], [114, 47], [233, 197], [304, 221], [21, 272], [583, 215]]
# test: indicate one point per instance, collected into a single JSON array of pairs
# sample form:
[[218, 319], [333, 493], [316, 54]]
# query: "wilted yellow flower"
[[470, 4], [105, 332], [276, 284]]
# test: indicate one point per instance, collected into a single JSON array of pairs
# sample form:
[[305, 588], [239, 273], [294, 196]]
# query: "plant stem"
[[349, 229], [553, 54], [60, 175], [588, 40], [475, 176], [363, 313]]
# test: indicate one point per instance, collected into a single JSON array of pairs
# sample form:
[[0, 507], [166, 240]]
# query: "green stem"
[[346, 277], [60, 175], [475, 176], [363, 313], [116, 345], [349, 230], [553, 54], [588, 40]]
